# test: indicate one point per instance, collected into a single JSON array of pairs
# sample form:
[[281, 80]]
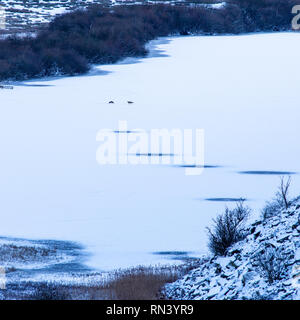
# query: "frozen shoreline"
[[42, 260], [55, 270], [59, 127]]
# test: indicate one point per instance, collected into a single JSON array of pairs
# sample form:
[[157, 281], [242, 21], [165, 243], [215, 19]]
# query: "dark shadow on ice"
[[127, 131], [32, 85], [160, 155], [155, 154], [268, 172], [97, 72], [152, 52], [171, 253], [206, 166], [130, 60], [225, 199], [176, 255]]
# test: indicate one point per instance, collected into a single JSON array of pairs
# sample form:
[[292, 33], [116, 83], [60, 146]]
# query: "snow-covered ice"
[[242, 90]]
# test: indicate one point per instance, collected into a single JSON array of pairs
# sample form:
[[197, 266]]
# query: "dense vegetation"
[[99, 34]]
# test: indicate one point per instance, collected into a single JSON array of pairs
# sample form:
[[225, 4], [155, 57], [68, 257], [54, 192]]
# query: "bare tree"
[[280, 201], [284, 191]]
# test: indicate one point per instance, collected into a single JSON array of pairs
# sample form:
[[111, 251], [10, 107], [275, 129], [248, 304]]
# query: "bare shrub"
[[138, 283], [47, 291], [271, 209], [228, 228], [271, 262], [280, 201], [19, 253]]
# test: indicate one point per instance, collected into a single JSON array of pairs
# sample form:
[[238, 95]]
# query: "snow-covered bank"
[[55, 270], [240, 276], [35, 261]]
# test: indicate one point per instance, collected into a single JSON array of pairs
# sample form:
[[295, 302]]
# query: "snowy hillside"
[[266, 265], [23, 16]]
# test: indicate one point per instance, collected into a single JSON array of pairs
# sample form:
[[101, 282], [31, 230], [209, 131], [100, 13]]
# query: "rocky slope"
[[265, 265]]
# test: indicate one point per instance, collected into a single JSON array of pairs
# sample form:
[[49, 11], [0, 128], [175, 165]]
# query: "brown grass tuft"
[[138, 283], [141, 283]]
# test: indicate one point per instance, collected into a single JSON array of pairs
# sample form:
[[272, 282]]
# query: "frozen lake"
[[242, 90]]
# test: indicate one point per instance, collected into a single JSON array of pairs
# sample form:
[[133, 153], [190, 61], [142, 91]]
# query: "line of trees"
[[100, 34]]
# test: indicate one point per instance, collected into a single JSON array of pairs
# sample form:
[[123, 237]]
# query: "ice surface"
[[243, 90]]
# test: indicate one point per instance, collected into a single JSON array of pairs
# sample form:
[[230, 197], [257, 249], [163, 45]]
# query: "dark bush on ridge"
[[228, 229], [102, 34]]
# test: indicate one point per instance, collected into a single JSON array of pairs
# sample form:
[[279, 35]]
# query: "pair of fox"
[[129, 102]]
